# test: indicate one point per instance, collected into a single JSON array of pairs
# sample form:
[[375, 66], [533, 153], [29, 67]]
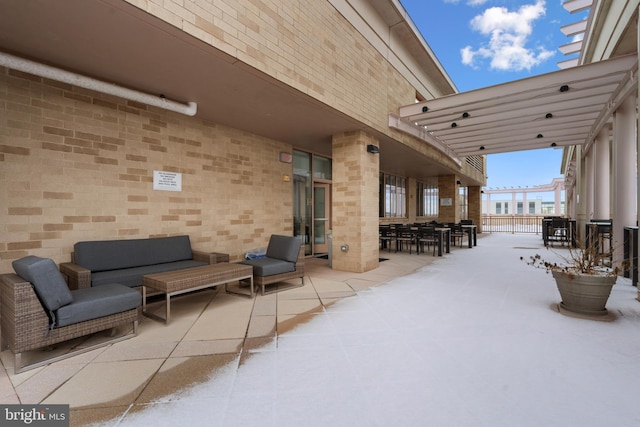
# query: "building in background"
[[525, 201]]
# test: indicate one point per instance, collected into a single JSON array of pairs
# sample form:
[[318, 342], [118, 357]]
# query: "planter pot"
[[584, 294]]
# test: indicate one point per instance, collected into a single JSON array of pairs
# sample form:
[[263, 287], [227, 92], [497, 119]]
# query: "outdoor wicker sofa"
[[284, 260], [39, 310], [125, 261]]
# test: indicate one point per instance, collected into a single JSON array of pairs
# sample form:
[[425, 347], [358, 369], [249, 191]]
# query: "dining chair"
[[404, 236], [427, 236]]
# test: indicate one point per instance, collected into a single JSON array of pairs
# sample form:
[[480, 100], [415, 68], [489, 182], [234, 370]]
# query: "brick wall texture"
[[355, 207], [76, 165], [308, 45]]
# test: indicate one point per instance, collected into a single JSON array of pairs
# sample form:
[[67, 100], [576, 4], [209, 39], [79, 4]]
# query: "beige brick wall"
[[308, 45], [448, 189], [355, 207], [75, 165], [475, 206]]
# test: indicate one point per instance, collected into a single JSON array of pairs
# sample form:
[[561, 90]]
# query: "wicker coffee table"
[[178, 282]]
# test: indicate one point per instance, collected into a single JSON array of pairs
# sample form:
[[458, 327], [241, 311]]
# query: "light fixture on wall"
[[374, 149], [458, 182]]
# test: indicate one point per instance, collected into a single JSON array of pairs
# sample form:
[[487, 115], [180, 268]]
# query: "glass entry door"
[[321, 216]]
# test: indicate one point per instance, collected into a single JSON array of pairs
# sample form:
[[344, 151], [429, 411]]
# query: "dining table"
[[472, 234], [444, 240]]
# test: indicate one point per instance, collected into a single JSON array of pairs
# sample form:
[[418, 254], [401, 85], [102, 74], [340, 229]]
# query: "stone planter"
[[584, 294]]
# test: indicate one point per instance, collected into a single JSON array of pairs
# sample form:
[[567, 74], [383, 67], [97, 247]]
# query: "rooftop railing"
[[512, 223]]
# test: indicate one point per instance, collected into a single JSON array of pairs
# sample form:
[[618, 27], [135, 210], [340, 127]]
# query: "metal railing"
[[512, 223]]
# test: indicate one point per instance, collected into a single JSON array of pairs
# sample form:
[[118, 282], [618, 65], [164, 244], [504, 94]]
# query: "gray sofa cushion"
[[269, 266], [47, 281], [103, 255], [284, 247], [93, 303], [133, 276]]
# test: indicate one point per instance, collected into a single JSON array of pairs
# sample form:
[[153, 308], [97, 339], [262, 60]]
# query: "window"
[[427, 198], [463, 199], [506, 208], [321, 167], [302, 197], [393, 196], [498, 208], [520, 208], [532, 207]]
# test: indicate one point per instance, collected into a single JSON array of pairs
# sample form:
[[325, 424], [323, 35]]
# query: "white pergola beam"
[[575, 28], [554, 79], [569, 48], [574, 6], [566, 107]]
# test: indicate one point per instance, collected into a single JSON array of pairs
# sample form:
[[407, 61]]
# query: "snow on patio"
[[470, 340]]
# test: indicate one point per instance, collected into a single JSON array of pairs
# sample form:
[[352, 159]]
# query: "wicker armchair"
[[262, 281], [280, 256], [27, 325]]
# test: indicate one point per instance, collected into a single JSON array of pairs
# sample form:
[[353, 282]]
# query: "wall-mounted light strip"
[[85, 82]]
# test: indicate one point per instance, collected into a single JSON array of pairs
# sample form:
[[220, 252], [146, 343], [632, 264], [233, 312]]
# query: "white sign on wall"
[[167, 181], [446, 201]]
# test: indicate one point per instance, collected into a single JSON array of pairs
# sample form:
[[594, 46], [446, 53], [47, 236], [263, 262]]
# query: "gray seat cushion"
[[47, 281], [133, 276], [103, 255], [269, 266], [283, 247], [93, 303]]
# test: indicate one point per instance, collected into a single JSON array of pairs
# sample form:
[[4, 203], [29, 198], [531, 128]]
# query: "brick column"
[[412, 200], [355, 202], [448, 190], [475, 206]]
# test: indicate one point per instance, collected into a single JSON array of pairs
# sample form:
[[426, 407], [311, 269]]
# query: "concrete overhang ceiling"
[[565, 107], [115, 42]]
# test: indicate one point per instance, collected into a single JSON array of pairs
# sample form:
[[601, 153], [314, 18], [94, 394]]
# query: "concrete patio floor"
[[473, 338], [208, 330]]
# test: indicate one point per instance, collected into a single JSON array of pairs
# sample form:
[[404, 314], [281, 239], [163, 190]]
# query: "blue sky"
[[487, 42]]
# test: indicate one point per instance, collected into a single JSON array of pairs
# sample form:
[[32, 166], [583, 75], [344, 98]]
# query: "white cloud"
[[509, 35], [577, 37]]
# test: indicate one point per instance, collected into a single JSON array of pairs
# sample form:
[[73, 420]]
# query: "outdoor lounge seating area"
[[336, 332], [109, 282]]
